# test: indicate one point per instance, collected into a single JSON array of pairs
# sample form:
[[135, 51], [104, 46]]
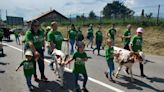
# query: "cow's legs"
[[131, 74], [119, 69], [61, 73]]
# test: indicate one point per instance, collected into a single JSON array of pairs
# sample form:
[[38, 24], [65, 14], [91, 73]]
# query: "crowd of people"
[[36, 41]]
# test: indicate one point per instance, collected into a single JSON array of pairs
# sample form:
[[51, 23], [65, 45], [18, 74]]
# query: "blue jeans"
[[28, 80], [72, 42], [17, 40], [110, 66], [84, 81]]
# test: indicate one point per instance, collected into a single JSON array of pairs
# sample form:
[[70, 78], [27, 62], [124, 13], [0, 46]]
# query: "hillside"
[[153, 37]]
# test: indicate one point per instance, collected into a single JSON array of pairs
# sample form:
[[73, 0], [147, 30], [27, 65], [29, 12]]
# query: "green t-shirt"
[[36, 38], [79, 65], [99, 36], [90, 32], [80, 36], [126, 40], [109, 53], [28, 67], [136, 42], [16, 34], [112, 32], [50, 36], [58, 40], [72, 34], [56, 37]]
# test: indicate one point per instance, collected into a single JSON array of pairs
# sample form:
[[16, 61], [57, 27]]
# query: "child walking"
[[109, 54], [28, 68], [80, 58]]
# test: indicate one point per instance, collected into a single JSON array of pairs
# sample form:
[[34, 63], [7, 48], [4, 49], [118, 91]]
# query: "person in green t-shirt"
[[109, 55], [90, 35], [34, 40], [55, 39], [72, 34], [1, 34], [17, 37], [80, 58], [28, 68], [136, 45], [80, 36], [99, 39], [112, 33], [126, 37]]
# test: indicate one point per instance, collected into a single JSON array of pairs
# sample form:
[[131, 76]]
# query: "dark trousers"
[[126, 46], [84, 81], [98, 45], [40, 63]]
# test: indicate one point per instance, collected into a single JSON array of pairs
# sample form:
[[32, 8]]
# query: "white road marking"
[[69, 70]]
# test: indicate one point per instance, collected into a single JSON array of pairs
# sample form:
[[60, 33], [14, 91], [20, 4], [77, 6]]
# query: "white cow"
[[126, 58], [59, 59]]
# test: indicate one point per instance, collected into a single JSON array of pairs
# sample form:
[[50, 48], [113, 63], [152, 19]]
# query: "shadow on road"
[[2, 63], [54, 86], [156, 79], [2, 71], [8, 40], [137, 84]]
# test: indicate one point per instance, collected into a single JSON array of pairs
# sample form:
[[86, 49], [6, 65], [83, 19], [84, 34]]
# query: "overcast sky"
[[31, 8]]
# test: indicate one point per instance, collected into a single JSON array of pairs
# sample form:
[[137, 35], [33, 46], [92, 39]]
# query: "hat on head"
[[128, 26], [80, 44], [90, 25], [140, 29], [28, 53]]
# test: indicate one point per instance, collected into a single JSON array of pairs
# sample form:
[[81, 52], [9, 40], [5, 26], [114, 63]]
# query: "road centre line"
[[69, 70]]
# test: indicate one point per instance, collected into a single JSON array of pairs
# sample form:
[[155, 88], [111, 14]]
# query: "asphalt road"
[[12, 81]]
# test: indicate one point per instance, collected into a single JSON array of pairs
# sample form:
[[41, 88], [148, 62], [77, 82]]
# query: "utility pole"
[[0, 15], [70, 19], [6, 13], [158, 14]]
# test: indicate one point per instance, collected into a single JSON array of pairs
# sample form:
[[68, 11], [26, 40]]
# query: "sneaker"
[[143, 75], [36, 79], [31, 88], [111, 79], [44, 78], [85, 90], [106, 74]]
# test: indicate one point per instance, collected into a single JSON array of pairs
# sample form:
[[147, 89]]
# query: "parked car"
[[16, 30], [6, 33]]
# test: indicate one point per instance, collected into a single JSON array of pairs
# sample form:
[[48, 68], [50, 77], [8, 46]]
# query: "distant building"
[[12, 20], [50, 16]]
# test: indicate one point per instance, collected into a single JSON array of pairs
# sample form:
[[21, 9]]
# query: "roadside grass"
[[153, 37]]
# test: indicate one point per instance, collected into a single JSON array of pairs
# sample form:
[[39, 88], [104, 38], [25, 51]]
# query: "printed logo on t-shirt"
[[138, 42], [79, 61]]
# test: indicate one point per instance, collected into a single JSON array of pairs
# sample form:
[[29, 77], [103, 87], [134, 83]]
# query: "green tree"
[[117, 10], [92, 15]]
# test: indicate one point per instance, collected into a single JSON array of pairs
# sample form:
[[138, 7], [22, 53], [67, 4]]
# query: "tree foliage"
[[117, 9], [92, 15]]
